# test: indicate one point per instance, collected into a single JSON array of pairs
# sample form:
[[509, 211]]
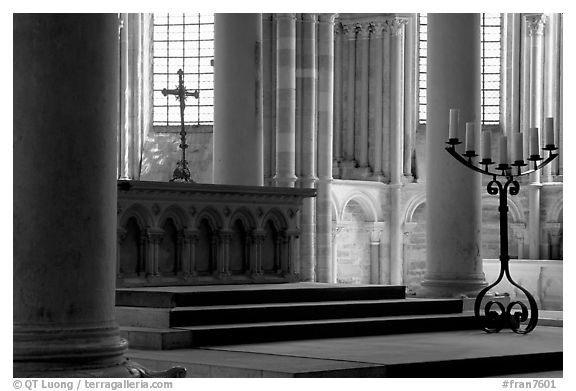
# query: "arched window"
[[183, 41]]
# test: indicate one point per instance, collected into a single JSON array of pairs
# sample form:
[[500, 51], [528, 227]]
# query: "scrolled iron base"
[[502, 317]]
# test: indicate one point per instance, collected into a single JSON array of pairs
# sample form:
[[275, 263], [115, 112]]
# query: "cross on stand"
[[181, 173]]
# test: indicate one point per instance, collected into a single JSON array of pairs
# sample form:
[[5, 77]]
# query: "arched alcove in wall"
[[206, 247], [415, 244], [238, 247], [168, 249], [131, 257], [132, 226], [353, 243]]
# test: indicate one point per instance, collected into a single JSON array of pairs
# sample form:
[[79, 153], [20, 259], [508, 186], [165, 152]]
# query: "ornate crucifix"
[[181, 173]]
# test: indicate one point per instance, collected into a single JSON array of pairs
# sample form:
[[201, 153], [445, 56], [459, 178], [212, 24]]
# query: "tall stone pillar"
[[376, 96], [285, 100], [135, 92], [269, 96], [410, 91], [535, 24], [307, 171], [326, 270], [65, 124], [350, 31], [396, 28], [454, 263], [238, 138], [338, 88], [552, 95], [362, 66]]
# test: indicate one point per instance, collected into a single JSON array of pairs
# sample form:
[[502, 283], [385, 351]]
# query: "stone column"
[[308, 146], [376, 115], [65, 132], [189, 253], [386, 101], [325, 271], [350, 31], [454, 263], [153, 238], [135, 92], [285, 100], [396, 28], [224, 239], [336, 231], [258, 238], [338, 91], [238, 139], [535, 24], [375, 255], [510, 75], [552, 98], [269, 96], [362, 66], [410, 91]]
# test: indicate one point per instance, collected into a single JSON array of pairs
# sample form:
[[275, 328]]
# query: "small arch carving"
[[140, 213], [277, 219], [413, 206], [245, 216], [365, 202], [177, 215], [133, 222], [274, 225]]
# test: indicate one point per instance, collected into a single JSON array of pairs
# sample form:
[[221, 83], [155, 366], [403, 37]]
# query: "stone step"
[[277, 312], [464, 353], [211, 335], [187, 296]]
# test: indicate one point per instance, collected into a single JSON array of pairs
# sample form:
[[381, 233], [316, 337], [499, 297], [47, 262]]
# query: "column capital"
[[308, 17], [349, 30], [154, 234], [291, 17], [337, 28], [535, 24], [396, 24], [327, 18], [364, 29], [378, 28], [336, 230]]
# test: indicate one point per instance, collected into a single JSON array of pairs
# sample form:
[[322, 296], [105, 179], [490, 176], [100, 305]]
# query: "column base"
[[432, 287], [76, 352]]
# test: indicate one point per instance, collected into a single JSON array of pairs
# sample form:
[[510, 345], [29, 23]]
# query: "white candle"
[[486, 146], [549, 130], [470, 137], [453, 125], [534, 142], [517, 141], [504, 150]]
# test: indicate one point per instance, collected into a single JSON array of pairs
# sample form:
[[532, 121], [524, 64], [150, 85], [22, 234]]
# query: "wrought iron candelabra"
[[496, 316]]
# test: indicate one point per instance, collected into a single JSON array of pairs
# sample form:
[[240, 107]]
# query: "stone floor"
[[456, 354]]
